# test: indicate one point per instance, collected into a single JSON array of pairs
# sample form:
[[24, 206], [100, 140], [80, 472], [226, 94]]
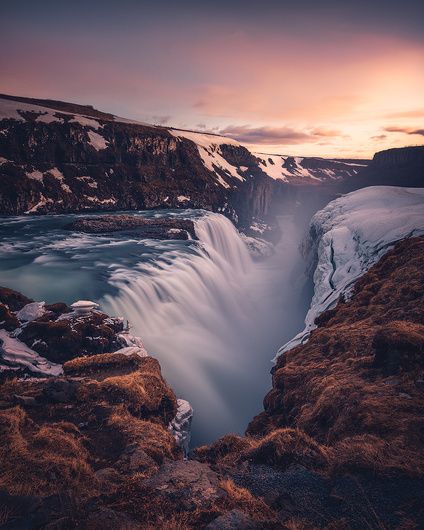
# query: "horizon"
[[330, 81]]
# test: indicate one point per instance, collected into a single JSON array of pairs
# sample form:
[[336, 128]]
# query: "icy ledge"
[[351, 234]]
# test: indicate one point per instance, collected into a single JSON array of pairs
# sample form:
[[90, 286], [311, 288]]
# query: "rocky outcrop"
[[101, 444], [165, 228], [58, 157]]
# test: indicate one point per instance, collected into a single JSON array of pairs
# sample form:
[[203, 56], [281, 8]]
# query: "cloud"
[[379, 137], [161, 120], [276, 135], [406, 130]]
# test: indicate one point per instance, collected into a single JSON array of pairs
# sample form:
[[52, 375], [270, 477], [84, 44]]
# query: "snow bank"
[[351, 234], [31, 311], [180, 426], [274, 167], [258, 248], [17, 353]]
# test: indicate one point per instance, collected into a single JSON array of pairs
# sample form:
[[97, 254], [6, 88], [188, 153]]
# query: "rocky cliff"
[[393, 167], [62, 157]]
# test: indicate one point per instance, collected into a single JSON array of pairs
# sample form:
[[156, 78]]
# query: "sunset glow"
[[343, 82]]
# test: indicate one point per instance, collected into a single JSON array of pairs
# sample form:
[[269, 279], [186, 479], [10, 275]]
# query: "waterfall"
[[190, 308], [214, 318]]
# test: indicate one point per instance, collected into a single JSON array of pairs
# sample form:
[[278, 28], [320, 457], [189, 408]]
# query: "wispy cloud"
[[406, 130], [161, 120], [276, 135], [379, 137]]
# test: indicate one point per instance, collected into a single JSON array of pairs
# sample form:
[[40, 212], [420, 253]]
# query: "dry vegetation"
[[84, 437], [346, 405], [356, 387]]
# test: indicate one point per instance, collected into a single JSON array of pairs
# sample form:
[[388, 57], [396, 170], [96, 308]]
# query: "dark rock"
[[165, 228], [189, 483], [60, 390], [393, 167], [234, 520], [12, 299], [63, 339], [8, 320], [26, 401], [58, 308], [107, 519]]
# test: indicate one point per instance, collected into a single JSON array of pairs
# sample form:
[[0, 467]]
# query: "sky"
[[311, 78]]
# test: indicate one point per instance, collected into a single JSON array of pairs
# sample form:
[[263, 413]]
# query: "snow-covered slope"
[[230, 162], [210, 148], [351, 234], [309, 170]]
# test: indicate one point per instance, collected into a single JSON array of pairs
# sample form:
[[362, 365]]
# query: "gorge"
[[204, 259]]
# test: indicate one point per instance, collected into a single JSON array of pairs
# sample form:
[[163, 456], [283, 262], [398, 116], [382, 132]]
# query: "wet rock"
[[71, 336], [165, 228]]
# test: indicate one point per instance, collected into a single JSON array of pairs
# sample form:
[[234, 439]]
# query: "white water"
[[215, 318]]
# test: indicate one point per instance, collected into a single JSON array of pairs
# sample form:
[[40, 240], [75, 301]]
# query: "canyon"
[[204, 259]]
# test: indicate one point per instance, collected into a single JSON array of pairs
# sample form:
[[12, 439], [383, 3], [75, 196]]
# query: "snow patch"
[[15, 352], [31, 311], [97, 141], [350, 235], [180, 426]]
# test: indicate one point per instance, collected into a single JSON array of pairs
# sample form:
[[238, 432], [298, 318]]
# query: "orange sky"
[[343, 80]]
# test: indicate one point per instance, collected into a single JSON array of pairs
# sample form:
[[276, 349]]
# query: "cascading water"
[[213, 319], [190, 310]]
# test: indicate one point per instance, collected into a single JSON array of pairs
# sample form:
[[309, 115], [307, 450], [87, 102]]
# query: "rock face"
[[37, 338], [60, 157], [394, 167]]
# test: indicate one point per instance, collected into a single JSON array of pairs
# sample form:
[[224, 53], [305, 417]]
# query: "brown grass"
[[242, 499], [42, 460], [154, 439], [354, 381], [284, 447], [371, 453], [100, 363], [227, 449]]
